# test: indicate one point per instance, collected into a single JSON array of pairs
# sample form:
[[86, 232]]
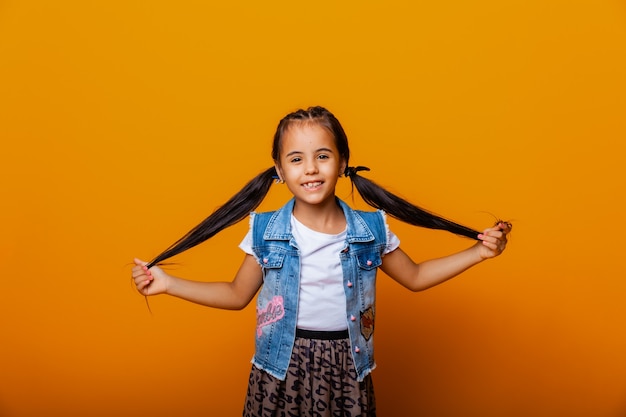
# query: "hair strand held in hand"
[[233, 211], [253, 193], [397, 207]]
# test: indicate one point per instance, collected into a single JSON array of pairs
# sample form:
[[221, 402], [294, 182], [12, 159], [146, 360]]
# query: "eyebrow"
[[316, 151]]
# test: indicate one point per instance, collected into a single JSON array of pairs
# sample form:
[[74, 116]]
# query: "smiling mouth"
[[312, 185]]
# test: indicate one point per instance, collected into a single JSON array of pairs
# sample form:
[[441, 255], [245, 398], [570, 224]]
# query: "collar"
[[279, 225]]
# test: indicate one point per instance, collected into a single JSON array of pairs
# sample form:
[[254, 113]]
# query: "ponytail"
[[233, 211], [253, 193], [397, 207]]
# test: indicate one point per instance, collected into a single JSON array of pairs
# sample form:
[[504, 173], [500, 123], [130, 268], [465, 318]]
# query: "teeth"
[[312, 184]]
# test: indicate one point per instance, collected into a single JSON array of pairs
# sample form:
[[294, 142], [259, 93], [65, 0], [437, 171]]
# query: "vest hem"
[[273, 373]]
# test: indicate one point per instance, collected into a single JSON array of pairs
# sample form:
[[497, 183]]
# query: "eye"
[[323, 156], [295, 159]]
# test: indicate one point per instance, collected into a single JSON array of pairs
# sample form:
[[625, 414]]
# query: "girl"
[[313, 263]]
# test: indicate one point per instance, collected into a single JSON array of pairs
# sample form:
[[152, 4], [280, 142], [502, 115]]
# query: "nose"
[[311, 167]]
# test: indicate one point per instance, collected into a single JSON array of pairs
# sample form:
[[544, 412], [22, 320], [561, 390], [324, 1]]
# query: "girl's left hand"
[[493, 240]]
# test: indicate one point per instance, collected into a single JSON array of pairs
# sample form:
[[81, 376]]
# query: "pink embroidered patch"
[[273, 311]]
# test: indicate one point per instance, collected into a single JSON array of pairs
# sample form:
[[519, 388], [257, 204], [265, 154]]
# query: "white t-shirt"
[[322, 303]]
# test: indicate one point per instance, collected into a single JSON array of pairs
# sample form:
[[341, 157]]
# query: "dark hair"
[[252, 194]]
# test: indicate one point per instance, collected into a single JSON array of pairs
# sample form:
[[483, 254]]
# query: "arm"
[[233, 295], [421, 276]]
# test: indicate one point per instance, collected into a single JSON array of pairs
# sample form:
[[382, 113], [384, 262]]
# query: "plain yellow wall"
[[124, 123]]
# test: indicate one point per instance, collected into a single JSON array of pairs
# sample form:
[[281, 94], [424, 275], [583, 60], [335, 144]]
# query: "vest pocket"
[[369, 260], [271, 257]]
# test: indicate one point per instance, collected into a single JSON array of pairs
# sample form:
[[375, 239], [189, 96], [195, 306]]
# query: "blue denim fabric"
[[277, 304]]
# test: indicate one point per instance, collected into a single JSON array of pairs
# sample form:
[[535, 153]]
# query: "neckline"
[[317, 232]]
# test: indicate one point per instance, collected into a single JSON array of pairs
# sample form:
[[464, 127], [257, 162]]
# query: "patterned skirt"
[[321, 382]]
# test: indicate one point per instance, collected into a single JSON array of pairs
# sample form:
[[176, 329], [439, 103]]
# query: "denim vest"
[[277, 303]]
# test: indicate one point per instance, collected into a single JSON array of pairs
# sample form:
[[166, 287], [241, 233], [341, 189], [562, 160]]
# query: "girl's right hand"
[[151, 281]]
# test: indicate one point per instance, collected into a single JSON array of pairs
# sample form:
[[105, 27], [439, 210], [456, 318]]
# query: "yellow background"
[[124, 123]]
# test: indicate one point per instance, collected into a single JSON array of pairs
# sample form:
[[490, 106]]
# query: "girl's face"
[[310, 163]]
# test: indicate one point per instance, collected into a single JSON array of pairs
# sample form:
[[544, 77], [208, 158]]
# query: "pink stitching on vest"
[[273, 311]]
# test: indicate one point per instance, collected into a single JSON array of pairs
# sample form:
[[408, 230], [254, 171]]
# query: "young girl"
[[313, 263]]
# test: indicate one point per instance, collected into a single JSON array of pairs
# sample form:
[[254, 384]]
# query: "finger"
[[497, 232], [142, 285], [504, 226], [491, 235], [138, 270], [141, 274], [495, 240], [141, 279], [500, 244], [490, 245]]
